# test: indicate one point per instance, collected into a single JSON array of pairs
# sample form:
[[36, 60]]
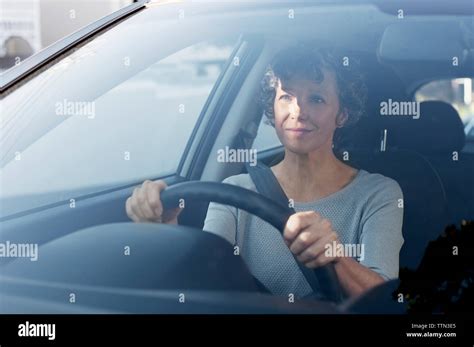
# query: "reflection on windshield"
[[112, 112]]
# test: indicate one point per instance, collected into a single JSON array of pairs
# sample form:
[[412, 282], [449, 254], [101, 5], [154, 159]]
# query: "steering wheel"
[[254, 203]]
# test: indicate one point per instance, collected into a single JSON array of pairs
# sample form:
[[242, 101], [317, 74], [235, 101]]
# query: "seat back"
[[439, 136], [424, 201]]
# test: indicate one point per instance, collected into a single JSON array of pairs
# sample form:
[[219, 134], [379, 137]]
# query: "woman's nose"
[[297, 109]]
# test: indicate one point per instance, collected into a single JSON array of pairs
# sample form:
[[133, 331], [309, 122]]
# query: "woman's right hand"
[[145, 205]]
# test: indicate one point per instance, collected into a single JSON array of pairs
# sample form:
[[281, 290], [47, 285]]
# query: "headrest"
[[438, 129]]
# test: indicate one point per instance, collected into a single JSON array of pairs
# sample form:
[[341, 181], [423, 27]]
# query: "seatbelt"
[[268, 185]]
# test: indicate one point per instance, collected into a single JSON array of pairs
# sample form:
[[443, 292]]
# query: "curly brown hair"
[[306, 61]]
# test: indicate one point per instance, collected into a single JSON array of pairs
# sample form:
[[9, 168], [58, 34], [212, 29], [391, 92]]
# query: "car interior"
[[438, 190]]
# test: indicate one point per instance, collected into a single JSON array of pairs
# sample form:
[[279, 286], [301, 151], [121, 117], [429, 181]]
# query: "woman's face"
[[307, 113]]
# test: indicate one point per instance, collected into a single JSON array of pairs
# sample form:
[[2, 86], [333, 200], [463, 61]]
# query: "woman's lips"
[[299, 130]]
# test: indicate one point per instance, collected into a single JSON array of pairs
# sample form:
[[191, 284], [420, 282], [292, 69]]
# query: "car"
[[156, 91]]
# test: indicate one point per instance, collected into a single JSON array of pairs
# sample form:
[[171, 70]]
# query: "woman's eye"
[[285, 97], [317, 99]]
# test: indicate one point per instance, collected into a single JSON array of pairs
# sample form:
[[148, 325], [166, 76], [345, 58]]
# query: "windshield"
[[68, 131]]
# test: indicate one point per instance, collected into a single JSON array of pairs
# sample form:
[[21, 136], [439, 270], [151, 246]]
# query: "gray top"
[[367, 214]]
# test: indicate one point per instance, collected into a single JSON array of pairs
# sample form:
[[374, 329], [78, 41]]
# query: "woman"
[[307, 95]]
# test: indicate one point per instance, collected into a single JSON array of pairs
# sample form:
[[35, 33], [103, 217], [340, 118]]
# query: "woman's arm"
[[382, 240], [222, 221], [308, 235], [354, 277]]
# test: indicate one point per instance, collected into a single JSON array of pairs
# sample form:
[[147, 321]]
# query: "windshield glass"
[[68, 131]]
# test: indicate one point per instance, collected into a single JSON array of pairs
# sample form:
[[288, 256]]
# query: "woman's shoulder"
[[241, 180], [378, 183]]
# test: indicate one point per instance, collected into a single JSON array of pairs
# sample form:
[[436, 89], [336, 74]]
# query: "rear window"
[[457, 92]]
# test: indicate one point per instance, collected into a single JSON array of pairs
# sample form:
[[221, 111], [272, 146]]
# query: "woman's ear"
[[341, 118]]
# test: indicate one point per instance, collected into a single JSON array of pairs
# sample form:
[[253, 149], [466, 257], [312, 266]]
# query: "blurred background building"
[[27, 26]]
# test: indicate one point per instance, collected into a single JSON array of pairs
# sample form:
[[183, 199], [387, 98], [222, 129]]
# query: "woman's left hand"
[[307, 234]]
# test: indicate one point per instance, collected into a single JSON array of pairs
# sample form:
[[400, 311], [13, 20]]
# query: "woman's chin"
[[300, 149]]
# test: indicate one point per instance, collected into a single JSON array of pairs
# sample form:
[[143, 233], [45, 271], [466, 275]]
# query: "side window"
[[136, 130], [458, 92]]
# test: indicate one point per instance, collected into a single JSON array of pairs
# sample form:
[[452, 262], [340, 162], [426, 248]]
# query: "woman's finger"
[[146, 211], [129, 210], [318, 249], [298, 222], [304, 240]]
